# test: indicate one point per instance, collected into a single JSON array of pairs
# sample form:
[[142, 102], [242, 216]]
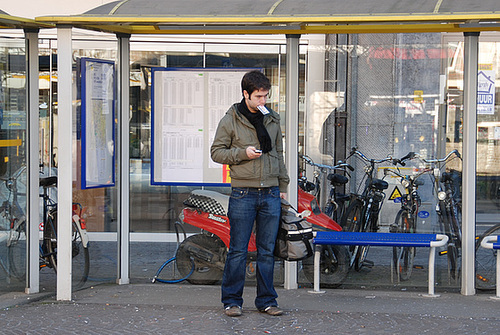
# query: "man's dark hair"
[[254, 81]]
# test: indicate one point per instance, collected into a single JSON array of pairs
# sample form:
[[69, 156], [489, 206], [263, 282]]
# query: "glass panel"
[[379, 93], [156, 209], [12, 165], [488, 152], [99, 204]]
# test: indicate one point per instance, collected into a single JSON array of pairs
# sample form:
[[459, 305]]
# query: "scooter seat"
[[208, 201]]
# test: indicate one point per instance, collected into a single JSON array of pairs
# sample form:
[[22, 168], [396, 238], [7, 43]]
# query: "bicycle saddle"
[[379, 184], [453, 176], [419, 182], [337, 179], [48, 181]]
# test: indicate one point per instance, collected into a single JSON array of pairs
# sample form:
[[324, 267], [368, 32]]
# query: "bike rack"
[[431, 241], [493, 242]]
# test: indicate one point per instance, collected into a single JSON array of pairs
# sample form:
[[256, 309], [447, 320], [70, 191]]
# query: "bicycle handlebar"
[[340, 166], [15, 175], [354, 151], [441, 160]]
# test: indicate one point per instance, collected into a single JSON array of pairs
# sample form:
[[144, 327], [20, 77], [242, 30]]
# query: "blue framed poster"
[[186, 107], [97, 117]]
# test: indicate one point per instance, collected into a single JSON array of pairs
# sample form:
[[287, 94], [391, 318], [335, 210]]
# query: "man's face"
[[257, 98]]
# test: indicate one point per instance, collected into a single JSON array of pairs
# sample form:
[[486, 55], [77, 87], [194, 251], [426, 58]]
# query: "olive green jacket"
[[234, 134]]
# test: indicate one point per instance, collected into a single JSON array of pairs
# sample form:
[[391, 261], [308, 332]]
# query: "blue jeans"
[[246, 206]]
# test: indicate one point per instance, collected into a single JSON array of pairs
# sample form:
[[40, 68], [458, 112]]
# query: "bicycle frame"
[[373, 192], [335, 200], [448, 207]]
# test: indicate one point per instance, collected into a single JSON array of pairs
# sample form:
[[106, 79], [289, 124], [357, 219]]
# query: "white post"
[[123, 159], [432, 269], [471, 47], [64, 161], [498, 275], [292, 136], [317, 271], [33, 199]]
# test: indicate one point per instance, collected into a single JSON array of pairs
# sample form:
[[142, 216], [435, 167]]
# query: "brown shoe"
[[272, 310], [232, 310]]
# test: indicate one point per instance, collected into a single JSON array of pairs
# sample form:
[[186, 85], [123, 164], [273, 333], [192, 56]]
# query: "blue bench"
[[378, 239], [493, 242]]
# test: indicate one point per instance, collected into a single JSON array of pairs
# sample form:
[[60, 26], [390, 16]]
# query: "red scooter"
[[207, 251]]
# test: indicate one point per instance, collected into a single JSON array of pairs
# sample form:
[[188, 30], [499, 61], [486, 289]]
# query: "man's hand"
[[283, 195], [253, 153]]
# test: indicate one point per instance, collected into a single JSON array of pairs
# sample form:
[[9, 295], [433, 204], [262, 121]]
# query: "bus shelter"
[[290, 18]]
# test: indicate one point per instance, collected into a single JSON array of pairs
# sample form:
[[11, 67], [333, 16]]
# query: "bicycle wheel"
[[369, 224], [454, 243], [79, 254], [334, 266], [486, 262], [352, 222], [207, 252], [403, 257], [16, 245]]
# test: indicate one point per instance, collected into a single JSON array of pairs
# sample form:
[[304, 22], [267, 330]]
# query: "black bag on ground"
[[294, 241]]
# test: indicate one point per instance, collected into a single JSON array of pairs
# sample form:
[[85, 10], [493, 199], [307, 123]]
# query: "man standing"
[[249, 140]]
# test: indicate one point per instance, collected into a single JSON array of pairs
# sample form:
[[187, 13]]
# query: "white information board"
[[187, 105], [98, 89]]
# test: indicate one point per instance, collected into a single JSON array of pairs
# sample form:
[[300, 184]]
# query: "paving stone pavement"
[[175, 309]]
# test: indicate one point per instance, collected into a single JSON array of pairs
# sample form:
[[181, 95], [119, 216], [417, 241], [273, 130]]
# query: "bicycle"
[[407, 216], [486, 277], [448, 207], [336, 203], [362, 213], [12, 211]]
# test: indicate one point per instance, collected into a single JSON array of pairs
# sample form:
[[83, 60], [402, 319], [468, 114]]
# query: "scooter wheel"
[[208, 254], [334, 266]]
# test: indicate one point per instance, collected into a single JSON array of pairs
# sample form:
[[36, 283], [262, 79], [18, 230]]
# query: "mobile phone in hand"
[[258, 151]]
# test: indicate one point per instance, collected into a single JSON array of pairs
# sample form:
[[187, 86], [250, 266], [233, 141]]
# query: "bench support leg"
[[497, 297], [317, 265], [432, 258]]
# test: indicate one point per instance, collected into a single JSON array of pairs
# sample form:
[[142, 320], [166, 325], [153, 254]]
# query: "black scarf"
[[257, 120]]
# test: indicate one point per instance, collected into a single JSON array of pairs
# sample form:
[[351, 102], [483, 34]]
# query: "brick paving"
[[175, 309]]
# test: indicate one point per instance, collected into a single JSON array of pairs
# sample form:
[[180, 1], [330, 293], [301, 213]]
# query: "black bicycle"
[[447, 189], [335, 205], [407, 216], [363, 211], [14, 218], [486, 259]]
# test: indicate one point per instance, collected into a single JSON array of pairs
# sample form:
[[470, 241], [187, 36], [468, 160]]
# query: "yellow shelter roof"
[[286, 16]]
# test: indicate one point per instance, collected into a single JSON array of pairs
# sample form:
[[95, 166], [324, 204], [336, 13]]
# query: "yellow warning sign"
[[418, 96], [395, 194]]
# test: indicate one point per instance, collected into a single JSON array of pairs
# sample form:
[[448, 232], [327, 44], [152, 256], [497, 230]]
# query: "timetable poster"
[[187, 105], [98, 143]]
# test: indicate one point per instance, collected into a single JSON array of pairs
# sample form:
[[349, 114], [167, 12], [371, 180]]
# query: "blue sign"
[[423, 214]]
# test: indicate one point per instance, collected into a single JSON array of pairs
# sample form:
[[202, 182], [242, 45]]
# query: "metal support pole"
[[292, 136], [123, 159], [64, 161], [432, 261], [32, 147], [317, 274], [471, 47]]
